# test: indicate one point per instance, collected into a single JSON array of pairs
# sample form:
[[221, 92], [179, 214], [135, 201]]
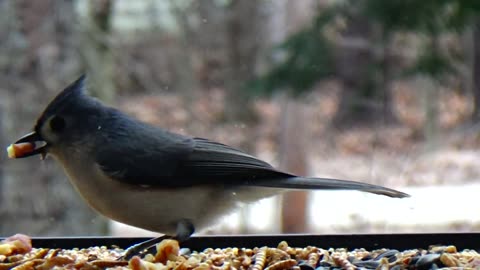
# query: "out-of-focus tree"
[[476, 69], [313, 54], [243, 42], [351, 40], [226, 45], [432, 19], [37, 58], [430, 62], [303, 59], [184, 65], [355, 68], [293, 158], [424, 18], [293, 130], [96, 49]]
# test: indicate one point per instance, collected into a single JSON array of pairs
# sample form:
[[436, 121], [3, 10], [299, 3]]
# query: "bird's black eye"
[[57, 124]]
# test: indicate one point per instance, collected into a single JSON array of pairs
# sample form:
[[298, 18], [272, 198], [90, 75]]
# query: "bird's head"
[[66, 121]]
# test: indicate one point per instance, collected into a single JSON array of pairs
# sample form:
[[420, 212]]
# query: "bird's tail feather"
[[330, 184]]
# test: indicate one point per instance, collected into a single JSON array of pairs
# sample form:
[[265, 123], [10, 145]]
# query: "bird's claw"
[[141, 249]]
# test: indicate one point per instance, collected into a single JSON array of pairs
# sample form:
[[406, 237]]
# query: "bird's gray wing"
[[142, 155], [171, 160], [211, 162], [223, 164], [178, 161]]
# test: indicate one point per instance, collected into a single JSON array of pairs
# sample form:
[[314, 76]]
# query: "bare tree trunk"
[[430, 105], [294, 131], [293, 144], [243, 45], [36, 197], [384, 75], [466, 67], [187, 84], [353, 60], [476, 70], [361, 101], [97, 53], [430, 98]]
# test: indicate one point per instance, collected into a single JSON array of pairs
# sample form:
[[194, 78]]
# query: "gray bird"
[[151, 178]]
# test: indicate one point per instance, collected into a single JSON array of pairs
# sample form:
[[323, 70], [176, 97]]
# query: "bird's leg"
[[142, 247], [184, 230]]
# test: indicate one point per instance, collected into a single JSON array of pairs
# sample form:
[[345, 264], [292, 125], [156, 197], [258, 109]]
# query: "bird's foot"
[[185, 229], [142, 248]]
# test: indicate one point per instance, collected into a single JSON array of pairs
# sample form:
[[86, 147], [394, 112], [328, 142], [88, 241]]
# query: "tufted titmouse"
[[149, 177]]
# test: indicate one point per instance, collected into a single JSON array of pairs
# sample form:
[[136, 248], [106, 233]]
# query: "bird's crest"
[[70, 93], [65, 99]]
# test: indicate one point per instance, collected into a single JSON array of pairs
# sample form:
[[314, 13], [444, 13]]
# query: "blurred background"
[[385, 92]]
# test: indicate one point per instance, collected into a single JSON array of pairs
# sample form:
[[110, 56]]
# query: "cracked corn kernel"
[[19, 149]]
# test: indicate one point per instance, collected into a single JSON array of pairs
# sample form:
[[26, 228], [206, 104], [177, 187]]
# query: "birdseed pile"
[[16, 252]]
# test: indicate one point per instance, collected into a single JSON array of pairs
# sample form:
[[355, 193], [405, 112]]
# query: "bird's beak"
[[28, 145]]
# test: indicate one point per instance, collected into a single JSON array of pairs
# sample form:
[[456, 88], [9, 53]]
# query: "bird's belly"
[[158, 209]]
